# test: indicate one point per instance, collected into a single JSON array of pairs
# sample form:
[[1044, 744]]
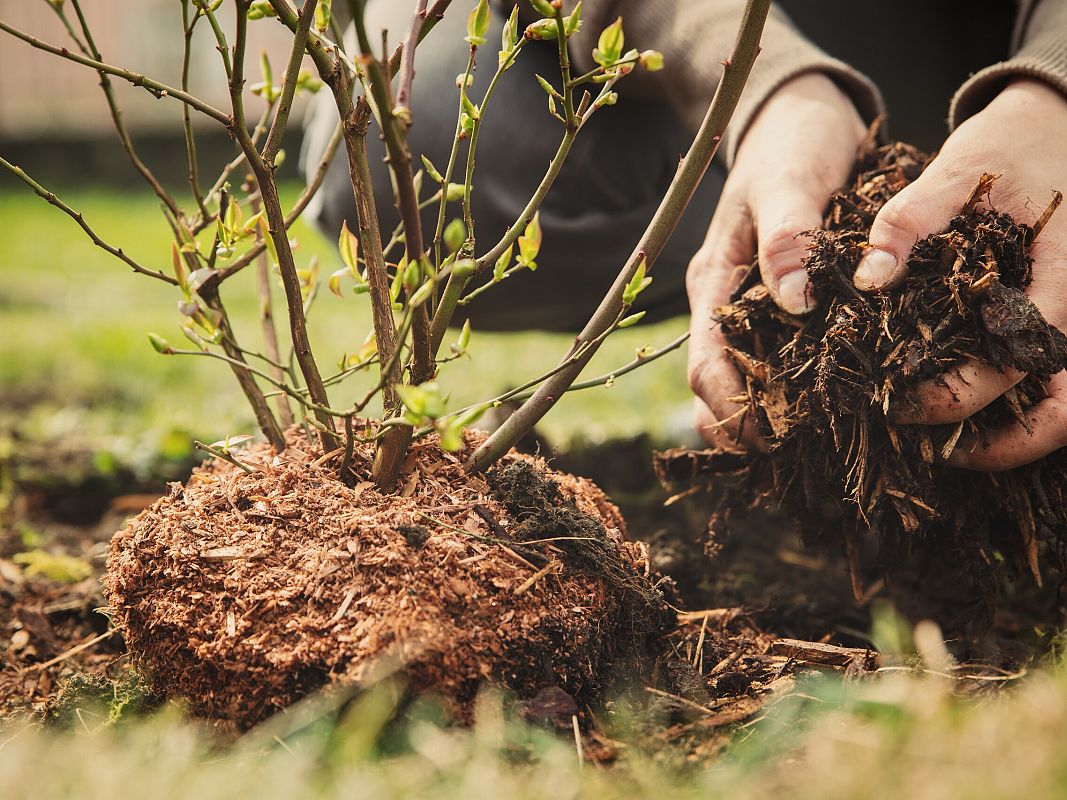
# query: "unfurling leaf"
[[638, 283], [609, 46], [509, 37], [230, 442], [464, 339], [573, 23], [334, 282], [633, 319], [421, 295], [478, 24], [322, 16], [543, 7], [421, 402], [348, 246], [652, 60], [451, 436], [469, 108], [307, 82], [431, 170], [159, 344], [530, 243], [606, 99], [455, 235], [502, 263]]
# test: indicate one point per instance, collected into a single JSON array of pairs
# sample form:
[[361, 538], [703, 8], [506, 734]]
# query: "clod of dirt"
[[242, 592], [820, 389]]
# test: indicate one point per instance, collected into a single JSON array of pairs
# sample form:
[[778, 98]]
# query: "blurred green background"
[[75, 361]]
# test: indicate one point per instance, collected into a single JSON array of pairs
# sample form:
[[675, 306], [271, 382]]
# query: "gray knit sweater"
[[696, 35]]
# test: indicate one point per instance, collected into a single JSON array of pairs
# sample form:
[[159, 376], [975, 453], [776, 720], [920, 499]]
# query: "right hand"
[[797, 151]]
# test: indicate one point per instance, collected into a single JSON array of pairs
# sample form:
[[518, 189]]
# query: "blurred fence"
[[44, 96]]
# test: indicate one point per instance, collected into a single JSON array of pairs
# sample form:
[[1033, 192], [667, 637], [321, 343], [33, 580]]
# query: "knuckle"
[[783, 247], [899, 220]]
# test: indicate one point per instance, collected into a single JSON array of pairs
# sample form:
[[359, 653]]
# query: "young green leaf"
[[348, 246], [633, 319], [451, 435], [464, 339], [502, 263], [638, 283], [530, 243], [322, 16], [573, 22], [509, 37], [478, 24], [609, 46]]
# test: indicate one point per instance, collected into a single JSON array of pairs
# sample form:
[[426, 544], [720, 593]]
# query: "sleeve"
[[695, 36], [1040, 51]]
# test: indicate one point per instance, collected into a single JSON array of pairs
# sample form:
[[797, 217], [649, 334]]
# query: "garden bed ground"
[[764, 611]]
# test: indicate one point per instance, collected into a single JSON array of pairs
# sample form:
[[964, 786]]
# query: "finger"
[[1012, 445], [712, 274], [918, 210], [962, 391], [783, 216], [971, 386]]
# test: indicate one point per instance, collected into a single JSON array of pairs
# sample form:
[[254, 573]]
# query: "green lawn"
[[75, 319]]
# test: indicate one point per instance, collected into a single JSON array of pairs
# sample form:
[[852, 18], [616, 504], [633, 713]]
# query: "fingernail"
[[793, 294], [876, 270]]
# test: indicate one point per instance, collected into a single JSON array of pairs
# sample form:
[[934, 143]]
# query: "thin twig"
[[735, 74], [77, 217], [154, 87]]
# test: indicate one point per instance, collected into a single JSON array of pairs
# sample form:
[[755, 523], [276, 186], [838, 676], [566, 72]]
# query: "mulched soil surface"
[[241, 593]]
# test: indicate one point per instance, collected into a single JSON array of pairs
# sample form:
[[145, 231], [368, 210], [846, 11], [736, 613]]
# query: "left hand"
[[1022, 135]]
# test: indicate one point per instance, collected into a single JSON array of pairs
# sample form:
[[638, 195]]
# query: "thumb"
[[781, 220], [922, 208]]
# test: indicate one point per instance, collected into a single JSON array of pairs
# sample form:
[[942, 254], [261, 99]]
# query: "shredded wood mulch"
[[820, 388], [242, 592]]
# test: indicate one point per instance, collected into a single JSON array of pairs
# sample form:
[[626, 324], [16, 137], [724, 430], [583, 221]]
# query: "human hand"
[[1021, 135], [797, 151]]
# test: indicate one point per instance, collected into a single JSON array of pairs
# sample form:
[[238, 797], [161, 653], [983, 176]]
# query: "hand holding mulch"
[[822, 390]]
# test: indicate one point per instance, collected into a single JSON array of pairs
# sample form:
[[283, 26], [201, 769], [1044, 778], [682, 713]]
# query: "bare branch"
[[77, 217], [159, 90]]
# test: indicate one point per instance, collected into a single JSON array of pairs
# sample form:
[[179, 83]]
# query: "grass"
[[903, 735], [75, 321]]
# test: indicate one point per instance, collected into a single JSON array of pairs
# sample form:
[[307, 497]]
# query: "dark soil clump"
[[820, 390], [243, 592]]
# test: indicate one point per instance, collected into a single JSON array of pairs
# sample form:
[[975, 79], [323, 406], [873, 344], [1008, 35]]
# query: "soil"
[[243, 592], [819, 390]]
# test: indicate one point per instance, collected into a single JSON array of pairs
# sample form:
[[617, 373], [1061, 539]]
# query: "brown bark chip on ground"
[[244, 592], [820, 389]]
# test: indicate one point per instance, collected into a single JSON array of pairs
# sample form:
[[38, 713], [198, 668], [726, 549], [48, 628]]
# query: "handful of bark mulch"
[[819, 389]]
